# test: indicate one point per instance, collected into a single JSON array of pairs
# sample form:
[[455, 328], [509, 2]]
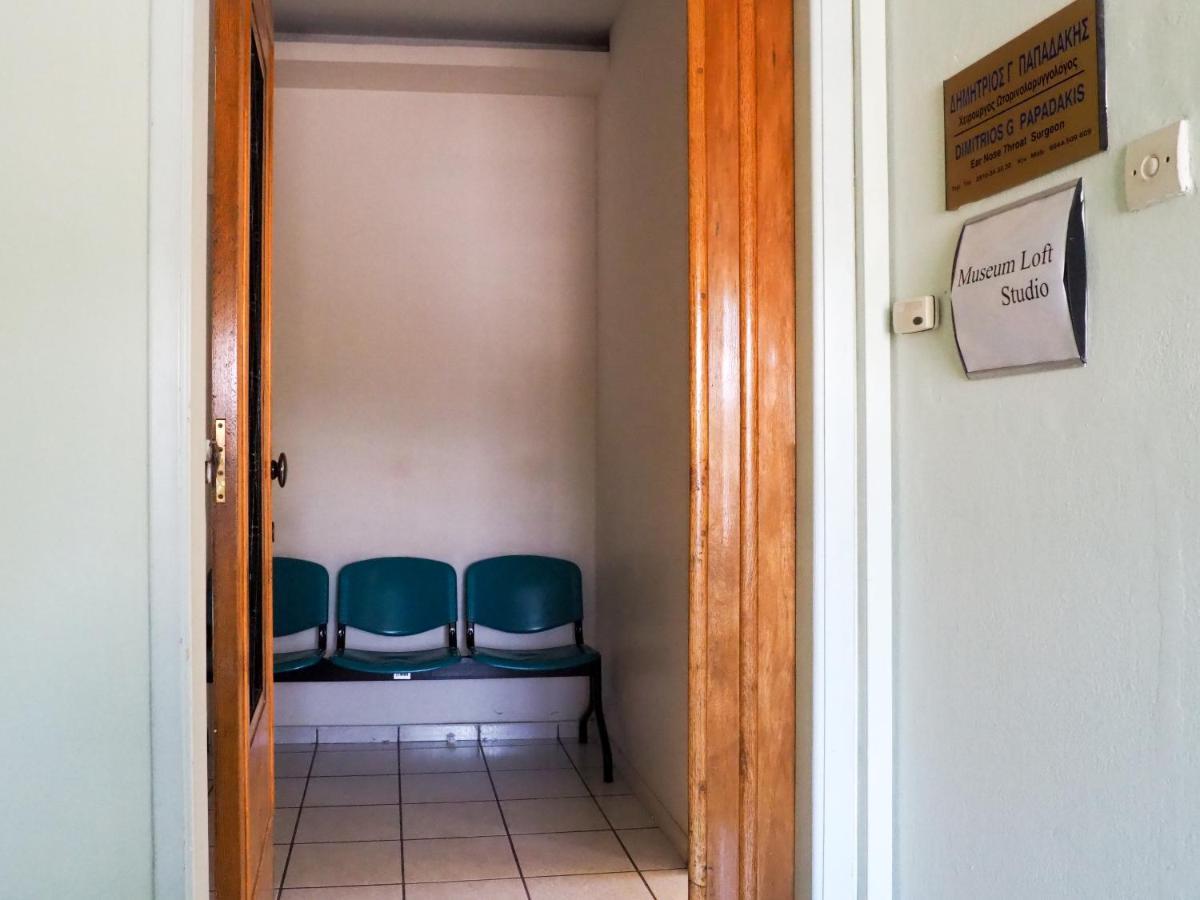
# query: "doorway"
[[737, 449]]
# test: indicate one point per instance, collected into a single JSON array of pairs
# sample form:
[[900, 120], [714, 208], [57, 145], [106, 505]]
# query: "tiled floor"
[[530, 820]]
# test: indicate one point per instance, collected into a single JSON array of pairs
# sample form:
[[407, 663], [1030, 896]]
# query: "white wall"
[[75, 760], [643, 437], [1047, 525], [435, 333]]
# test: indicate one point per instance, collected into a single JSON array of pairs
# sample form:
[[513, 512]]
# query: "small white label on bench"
[[402, 676]]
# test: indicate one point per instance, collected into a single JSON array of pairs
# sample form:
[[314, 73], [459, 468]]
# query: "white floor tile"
[[426, 760], [379, 892], [363, 862], [459, 787], [459, 859], [651, 849], [356, 762], [279, 862], [284, 827], [538, 784], [509, 757], [279, 855], [353, 790], [507, 889], [626, 812], [452, 820], [668, 885], [336, 824], [356, 734], [543, 816], [586, 756], [570, 853], [288, 792], [292, 765], [625, 886], [595, 780], [337, 746]]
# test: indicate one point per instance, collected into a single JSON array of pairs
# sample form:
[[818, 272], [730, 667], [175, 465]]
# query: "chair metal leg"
[[583, 720], [596, 702]]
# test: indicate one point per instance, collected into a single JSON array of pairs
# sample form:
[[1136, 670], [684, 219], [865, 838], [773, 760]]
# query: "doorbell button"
[[1157, 167], [915, 315]]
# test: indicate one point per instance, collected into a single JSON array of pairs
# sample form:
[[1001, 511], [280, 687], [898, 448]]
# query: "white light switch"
[[1158, 167], [915, 314]]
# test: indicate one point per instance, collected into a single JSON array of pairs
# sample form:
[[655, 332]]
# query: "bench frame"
[[467, 669]]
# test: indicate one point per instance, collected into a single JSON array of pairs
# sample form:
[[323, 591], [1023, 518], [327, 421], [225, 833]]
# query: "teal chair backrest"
[[301, 595], [397, 596], [524, 594]]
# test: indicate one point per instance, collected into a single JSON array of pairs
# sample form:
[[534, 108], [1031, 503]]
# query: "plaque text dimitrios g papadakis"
[[1035, 105]]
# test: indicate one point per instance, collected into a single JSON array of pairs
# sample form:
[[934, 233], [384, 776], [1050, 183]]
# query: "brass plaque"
[[1035, 105]]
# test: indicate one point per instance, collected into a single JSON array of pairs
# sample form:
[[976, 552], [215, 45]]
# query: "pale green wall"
[[74, 704], [1048, 526]]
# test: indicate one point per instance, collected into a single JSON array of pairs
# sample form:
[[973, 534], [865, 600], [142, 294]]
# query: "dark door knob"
[[279, 470]]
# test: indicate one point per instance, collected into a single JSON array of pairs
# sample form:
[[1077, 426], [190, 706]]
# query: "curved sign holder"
[[1019, 286]]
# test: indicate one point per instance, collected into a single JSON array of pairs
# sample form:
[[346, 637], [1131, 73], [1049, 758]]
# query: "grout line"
[[330, 887], [615, 833], [573, 766], [434, 802], [356, 840], [504, 820], [335, 805], [465, 837], [400, 813], [615, 872], [295, 828], [452, 772]]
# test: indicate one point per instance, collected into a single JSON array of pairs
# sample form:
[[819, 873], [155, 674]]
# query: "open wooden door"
[[239, 510]]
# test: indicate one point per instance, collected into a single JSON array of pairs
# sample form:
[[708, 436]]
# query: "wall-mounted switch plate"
[[915, 314], [1158, 167]]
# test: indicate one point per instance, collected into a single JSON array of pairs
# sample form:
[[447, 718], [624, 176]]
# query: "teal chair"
[[397, 596], [528, 595], [301, 604]]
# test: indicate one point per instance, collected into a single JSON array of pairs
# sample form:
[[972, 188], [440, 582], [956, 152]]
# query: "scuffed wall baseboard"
[[451, 732]]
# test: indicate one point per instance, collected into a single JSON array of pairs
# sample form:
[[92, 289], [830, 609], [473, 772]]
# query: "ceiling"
[[560, 22]]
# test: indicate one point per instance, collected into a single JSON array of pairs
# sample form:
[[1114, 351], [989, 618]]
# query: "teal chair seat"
[[550, 659], [397, 596], [530, 595], [301, 599], [384, 662], [297, 660]]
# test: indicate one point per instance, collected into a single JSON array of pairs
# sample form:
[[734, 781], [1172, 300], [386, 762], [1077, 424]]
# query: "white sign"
[[1019, 289]]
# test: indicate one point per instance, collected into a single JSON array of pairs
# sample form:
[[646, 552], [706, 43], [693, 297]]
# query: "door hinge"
[[214, 460]]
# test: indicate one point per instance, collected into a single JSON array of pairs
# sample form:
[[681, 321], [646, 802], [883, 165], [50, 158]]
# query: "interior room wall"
[[73, 383], [1047, 524], [435, 354], [643, 430]]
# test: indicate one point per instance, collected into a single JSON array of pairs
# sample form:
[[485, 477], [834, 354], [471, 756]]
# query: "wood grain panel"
[[243, 738], [229, 263], [774, 361], [743, 529]]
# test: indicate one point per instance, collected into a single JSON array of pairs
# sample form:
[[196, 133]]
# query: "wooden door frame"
[[848, 261], [742, 608]]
